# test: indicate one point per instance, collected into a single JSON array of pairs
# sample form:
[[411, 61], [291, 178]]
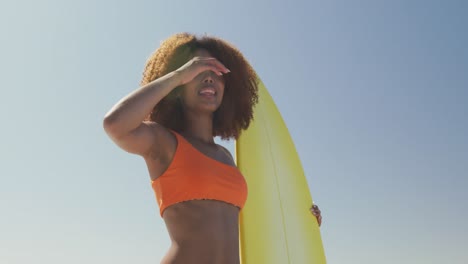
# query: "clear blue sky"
[[375, 94]]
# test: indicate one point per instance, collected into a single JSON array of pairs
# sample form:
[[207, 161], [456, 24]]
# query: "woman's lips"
[[207, 91]]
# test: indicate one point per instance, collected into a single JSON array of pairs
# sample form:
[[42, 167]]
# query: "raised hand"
[[197, 65]]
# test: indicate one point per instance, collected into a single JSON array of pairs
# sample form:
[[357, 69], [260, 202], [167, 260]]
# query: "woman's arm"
[[124, 121]]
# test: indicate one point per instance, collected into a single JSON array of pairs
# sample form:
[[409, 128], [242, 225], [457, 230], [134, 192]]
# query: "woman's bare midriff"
[[202, 232]]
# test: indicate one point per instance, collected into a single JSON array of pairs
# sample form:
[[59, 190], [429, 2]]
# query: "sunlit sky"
[[374, 93]]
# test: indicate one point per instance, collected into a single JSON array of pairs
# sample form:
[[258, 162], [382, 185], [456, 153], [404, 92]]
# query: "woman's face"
[[205, 92]]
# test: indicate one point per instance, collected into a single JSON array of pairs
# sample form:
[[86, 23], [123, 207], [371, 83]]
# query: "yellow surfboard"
[[276, 226]]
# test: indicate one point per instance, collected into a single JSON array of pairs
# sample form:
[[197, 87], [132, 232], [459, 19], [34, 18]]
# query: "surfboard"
[[275, 225]]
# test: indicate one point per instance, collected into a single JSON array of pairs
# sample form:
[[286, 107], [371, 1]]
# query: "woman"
[[192, 90]]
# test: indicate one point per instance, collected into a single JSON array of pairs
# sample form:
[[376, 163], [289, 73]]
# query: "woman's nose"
[[208, 78]]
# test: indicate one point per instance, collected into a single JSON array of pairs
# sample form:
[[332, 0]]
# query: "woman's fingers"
[[214, 64], [197, 65], [317, 213], [315, 208], [314, 212]]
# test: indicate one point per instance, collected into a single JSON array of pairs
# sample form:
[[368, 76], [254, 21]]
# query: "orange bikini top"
[[194, 176]]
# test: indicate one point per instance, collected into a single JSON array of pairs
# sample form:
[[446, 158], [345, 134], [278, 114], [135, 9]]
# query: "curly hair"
[[240, 93]]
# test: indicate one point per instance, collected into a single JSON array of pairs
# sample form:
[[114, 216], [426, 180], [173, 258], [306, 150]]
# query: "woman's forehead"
[[202, 53]]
